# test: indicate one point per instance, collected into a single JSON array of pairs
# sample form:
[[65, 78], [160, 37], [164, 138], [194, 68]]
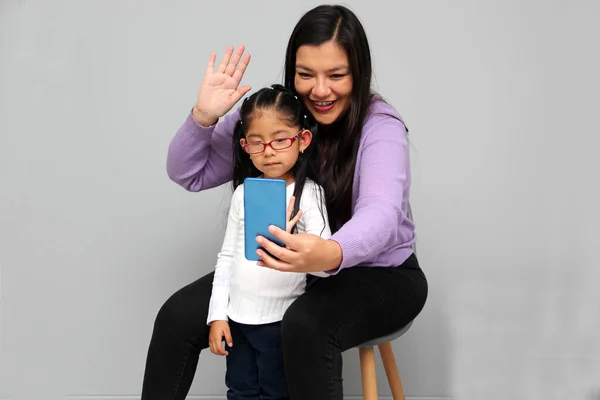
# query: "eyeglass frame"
[[292, 138]]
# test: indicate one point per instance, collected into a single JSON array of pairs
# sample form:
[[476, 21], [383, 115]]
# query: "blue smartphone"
[[264, 205]]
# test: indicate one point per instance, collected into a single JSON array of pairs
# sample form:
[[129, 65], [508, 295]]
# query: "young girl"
[[272, 140]]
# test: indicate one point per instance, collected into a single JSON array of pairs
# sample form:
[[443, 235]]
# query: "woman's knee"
[[187, 308], [301, 324], [172, 314]]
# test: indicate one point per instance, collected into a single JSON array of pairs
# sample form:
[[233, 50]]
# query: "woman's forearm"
[[201, 157]]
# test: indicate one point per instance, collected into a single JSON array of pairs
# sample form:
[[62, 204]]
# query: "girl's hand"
[[304, 252], [218, 331], [290, 209], [219, 90]]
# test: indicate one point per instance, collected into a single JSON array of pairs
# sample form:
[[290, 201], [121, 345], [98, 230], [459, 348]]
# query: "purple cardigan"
[[378, 234]]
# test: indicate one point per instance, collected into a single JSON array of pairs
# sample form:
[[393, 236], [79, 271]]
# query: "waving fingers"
[[225, 62], [241, 68], [210, 68], [231, 67]]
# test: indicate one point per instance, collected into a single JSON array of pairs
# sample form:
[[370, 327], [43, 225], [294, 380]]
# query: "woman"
[[375, 285]]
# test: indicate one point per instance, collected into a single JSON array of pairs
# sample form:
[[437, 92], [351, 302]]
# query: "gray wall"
[[500, 97]]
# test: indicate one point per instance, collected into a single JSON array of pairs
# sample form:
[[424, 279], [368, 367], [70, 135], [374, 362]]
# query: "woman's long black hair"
[[292, 112], [338, 143]]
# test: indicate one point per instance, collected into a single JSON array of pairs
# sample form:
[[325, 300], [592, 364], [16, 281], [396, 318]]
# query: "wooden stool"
[[367, 365]]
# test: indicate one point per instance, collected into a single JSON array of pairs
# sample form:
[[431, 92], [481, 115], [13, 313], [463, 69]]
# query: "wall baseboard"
[[222, 397]]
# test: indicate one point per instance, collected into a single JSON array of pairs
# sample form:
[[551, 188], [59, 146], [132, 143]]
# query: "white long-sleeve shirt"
[[250, 294]]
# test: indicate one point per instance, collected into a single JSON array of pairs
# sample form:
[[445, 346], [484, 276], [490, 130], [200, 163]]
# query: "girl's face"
[[276, 160], [324, 80]]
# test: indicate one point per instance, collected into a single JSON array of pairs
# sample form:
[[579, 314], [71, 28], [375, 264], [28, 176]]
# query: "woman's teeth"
[[323, 103]]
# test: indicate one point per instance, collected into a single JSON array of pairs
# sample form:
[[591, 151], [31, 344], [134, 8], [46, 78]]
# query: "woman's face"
[[323, 80]]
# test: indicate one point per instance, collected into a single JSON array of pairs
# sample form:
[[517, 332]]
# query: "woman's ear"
[[242, 142], [305, 139]]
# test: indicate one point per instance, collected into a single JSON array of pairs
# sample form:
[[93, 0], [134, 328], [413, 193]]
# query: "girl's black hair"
[[292, 112], [339, 142]]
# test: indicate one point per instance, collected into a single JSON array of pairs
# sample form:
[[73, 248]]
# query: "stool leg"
[[391, 370], [367, 369]]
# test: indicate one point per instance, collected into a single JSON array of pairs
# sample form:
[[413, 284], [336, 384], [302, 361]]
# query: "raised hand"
[[220, 89]]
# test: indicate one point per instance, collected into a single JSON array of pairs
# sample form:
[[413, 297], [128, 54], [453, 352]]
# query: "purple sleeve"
[[200, 157], [383, 174]]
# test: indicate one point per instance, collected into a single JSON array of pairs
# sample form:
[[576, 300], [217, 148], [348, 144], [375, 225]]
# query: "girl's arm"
[[201, 157], [219, 300]]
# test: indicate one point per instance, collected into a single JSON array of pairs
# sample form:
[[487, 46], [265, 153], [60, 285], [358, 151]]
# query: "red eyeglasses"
[[275, 144]]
